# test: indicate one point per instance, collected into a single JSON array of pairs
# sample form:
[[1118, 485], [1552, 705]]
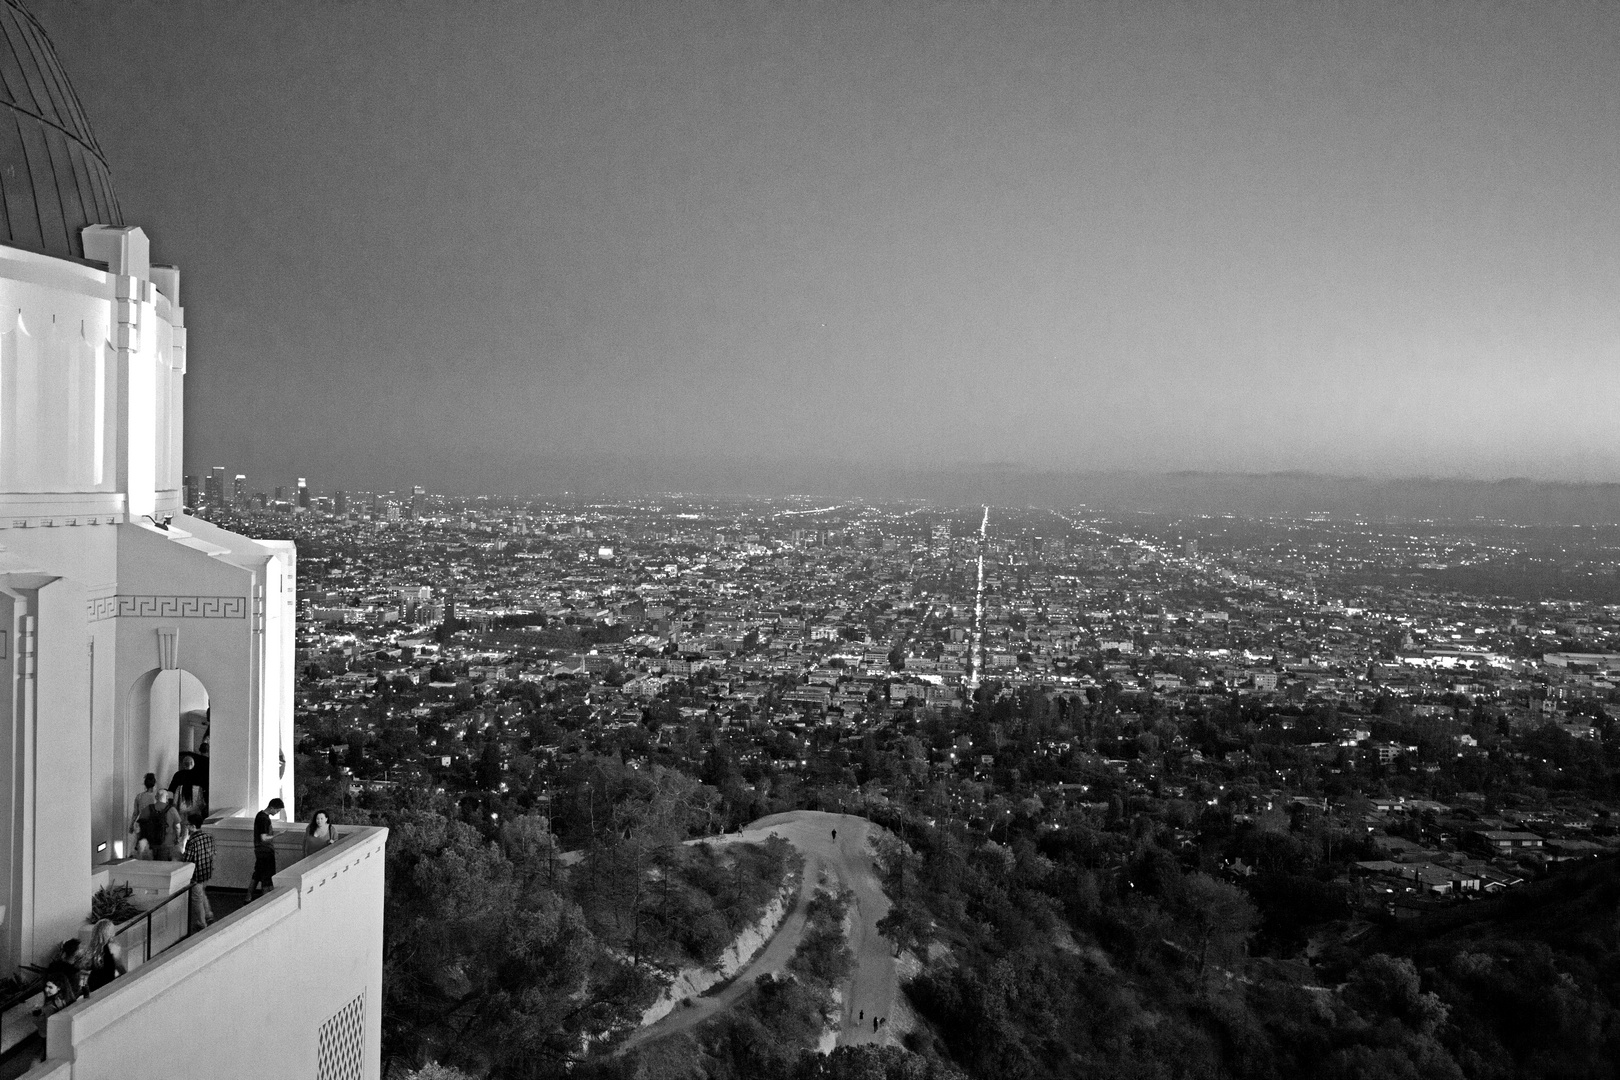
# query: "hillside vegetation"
[[1149, 977], [502, 957]]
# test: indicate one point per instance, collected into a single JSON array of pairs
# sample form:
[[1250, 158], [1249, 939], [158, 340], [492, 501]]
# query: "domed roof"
[[53, 177]]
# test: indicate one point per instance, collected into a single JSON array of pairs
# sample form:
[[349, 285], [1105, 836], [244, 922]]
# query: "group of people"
[[877, 1021], [79, 971], [168, 825], [160, 813], [319, 834]]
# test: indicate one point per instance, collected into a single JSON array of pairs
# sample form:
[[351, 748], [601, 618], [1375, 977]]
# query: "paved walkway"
[[870, 991]]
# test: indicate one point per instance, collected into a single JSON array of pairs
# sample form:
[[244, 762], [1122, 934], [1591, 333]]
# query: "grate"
[[343, 1043]]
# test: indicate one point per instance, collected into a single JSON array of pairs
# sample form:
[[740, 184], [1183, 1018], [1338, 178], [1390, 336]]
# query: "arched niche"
[[170, 706]]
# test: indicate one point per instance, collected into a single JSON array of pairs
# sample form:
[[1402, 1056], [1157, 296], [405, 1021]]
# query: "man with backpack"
[[159, 826]]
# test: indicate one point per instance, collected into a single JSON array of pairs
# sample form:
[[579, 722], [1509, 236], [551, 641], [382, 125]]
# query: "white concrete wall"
[[246, 998], [59, 386], [92, 366], [61, 803], [233, 846], [44, 733]]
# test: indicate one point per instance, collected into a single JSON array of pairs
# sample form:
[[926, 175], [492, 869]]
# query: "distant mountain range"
[[1297, 494], [1519, 501]]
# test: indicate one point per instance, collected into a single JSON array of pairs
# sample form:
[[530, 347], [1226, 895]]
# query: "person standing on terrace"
[[167, 845], [187, 786], [142, 801], [264, 849], [199, 852], [106, 958]]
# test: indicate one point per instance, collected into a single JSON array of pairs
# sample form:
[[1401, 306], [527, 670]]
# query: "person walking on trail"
[[264, 849]]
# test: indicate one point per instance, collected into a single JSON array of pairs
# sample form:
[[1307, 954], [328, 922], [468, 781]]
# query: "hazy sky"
[[457, 242]]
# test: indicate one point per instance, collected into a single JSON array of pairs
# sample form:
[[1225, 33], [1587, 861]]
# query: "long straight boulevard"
[[976, 653]]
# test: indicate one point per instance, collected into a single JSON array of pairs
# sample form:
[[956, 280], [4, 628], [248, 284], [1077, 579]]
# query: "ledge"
[[81, 1021], [359, 843]]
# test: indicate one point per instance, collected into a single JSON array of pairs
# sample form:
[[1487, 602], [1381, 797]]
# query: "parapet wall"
[[289, 986]]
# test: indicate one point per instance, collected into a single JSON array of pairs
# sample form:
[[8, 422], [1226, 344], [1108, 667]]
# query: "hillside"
[[830, 943], [1531, 980]]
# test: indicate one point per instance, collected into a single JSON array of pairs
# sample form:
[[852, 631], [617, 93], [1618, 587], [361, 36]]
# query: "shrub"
[[115, 902]]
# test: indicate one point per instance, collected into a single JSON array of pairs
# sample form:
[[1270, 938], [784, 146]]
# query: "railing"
[[325, 915], [144, 920]]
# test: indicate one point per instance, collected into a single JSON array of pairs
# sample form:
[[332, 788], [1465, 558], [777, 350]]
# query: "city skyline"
[[524, 737], [474, 248]]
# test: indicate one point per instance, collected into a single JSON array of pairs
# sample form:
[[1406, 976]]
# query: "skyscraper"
[[216, 486], [239, 491]]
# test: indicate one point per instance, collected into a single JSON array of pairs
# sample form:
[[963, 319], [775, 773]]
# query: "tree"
[[489, 766], [480, 972], [907, 925], [1219, 918], [1390, 985]]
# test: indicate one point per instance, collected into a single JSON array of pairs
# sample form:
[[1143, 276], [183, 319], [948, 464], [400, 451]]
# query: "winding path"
[[850, 859]]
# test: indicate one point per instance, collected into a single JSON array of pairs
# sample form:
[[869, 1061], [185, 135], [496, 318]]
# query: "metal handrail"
[[147, 916]]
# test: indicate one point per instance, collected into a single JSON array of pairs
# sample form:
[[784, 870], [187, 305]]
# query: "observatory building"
[[131, 632]]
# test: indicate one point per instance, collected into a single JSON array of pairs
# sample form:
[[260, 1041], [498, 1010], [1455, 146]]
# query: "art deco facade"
[[130, 631]]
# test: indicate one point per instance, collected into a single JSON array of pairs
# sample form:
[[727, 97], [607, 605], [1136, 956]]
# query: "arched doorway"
[[195, 713], [169, 715]]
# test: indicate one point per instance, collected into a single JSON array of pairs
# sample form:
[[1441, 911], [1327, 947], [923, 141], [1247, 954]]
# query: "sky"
[[495, 246]]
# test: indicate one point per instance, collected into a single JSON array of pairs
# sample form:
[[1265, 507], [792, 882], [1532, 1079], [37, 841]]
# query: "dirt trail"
[[870, 991]]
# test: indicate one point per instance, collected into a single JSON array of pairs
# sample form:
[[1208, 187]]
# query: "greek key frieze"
[[167, 607]]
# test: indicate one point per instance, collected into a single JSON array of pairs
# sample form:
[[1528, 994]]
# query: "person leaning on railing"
[[198, 848], [321, 833]]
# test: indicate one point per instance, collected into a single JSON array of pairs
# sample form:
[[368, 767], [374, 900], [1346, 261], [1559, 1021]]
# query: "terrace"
[[315, 937]]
